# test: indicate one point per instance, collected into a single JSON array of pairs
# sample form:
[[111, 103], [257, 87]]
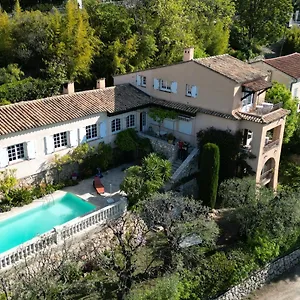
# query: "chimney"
[[100, 83], [188, 54], [68, 88]]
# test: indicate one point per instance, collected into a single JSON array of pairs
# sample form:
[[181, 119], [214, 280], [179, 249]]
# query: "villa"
[[285, 70], [219, 91]]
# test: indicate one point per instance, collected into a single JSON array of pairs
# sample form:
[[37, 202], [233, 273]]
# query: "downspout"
[[292, 83]]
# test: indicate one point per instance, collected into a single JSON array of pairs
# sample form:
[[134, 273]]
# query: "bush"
[[141, 182], [165, 288], [229, 146], [209, 174]]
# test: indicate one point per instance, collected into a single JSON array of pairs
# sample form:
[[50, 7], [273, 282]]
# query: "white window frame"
[[188, 90], [115, 124], [91, 132], [60, 140], [130, 121], [143, 81], [16, 153], [164, 85]]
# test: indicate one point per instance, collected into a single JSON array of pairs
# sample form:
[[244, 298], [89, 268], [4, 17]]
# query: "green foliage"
[[237, 192], [279, 93], [127, 140], [292, 41], [260, 22], [164, 288], [216, 273], [264, 247], [160, 114], [289, 174], [12, 195], [142, 181], [180, 218], [27, 89], [209, 174], [229, 146], [10, 74], [86, 158]]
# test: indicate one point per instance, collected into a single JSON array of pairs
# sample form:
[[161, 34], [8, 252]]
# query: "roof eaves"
[[153, 68]]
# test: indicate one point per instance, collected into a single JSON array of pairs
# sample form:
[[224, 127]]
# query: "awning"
[[257, 85]]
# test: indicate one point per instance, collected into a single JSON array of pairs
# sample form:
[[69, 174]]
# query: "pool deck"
[[111, 181], [85, 190]]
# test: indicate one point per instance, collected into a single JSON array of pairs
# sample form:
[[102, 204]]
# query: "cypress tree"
[[209, 174]]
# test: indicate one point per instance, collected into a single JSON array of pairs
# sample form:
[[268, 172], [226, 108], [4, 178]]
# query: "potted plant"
[[170, 138]]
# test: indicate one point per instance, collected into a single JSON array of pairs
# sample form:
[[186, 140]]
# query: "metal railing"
[[271, 145], [267, 175]]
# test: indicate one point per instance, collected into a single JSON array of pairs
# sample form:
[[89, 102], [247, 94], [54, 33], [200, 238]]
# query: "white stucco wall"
[[40, 162]]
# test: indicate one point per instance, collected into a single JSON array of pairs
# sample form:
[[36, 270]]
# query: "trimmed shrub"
[[209, 174]]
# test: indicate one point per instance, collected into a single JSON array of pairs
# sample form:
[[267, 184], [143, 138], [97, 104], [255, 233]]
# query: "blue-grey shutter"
[[156, 83], [194, 91], [138, 79], [82, 135], [174, 87], [3, 158], [102, 129], [73, 137], [30, 149], [49, 144]]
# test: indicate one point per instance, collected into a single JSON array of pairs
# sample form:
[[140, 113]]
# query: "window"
[[130, 121], [60, 140], [16, 152], [164, 85], [91, 132], [115, 125], [143, 81], [189, 90]]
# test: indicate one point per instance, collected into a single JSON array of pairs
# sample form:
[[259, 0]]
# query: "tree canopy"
[[259, 22], [279, 93]]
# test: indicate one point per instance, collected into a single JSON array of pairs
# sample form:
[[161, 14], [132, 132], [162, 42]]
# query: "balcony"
[[270, 145], [265, 108]]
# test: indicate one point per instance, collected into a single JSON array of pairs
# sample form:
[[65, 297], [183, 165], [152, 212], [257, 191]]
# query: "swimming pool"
[[25, 226]]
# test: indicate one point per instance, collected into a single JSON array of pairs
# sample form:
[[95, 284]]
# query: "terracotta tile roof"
[[288, 64], [32, 114], [258, 85], [113, 100], [231, 67], [263, 119]]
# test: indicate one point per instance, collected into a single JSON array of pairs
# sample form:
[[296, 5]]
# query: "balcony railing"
[[265, 108], [271, 145], [267, 175]]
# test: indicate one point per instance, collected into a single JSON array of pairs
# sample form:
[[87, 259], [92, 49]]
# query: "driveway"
[[286, 287]]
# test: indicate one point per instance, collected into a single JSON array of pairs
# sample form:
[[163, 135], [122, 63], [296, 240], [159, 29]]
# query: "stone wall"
[[50, 175], [161, 146], [261, 277]]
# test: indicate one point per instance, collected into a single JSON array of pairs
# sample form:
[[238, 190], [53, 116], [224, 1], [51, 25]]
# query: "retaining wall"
[[261, 277]]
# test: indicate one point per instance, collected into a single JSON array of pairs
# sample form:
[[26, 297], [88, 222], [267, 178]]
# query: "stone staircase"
[[175, 165]]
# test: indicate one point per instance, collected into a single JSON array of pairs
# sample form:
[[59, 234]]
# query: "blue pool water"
[[25, 226]]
